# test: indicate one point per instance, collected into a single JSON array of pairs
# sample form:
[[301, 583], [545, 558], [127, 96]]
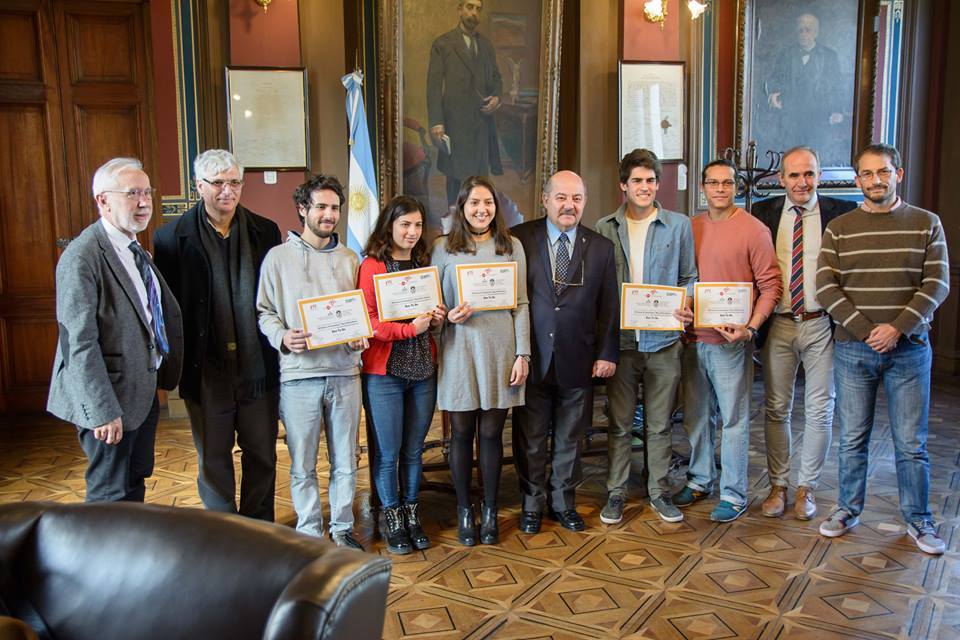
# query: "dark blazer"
[[457, 83], [180, 256], [581, 325], [770, 211], [105, 366]]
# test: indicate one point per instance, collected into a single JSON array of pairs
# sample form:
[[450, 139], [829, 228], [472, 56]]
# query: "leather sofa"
[[133, 571]]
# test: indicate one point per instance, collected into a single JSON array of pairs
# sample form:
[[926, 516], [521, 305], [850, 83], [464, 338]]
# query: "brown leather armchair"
[[133, 571]]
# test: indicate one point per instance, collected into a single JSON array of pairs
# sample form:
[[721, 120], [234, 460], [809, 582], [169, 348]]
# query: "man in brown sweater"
[[881, 274]]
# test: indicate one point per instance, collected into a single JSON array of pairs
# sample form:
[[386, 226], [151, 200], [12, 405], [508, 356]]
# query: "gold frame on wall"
[[390, 93], [864, 81]]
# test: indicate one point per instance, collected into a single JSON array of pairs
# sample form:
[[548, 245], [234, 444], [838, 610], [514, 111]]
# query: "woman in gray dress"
[[484, 355]]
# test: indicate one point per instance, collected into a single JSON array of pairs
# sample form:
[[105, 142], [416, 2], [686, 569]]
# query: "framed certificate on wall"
[[652, 108], [267, 117]]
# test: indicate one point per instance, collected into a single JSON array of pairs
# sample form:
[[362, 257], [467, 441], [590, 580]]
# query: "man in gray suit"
[[463, 92], [121, 337]]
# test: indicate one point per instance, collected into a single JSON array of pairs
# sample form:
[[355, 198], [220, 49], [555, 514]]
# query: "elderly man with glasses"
[[120, 337], [572, 287], [211, 257], [882, 272]]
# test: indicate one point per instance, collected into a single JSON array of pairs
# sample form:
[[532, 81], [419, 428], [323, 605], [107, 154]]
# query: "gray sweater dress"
[[476, 356]]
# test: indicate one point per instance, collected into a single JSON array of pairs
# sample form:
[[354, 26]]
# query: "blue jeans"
[[905, 375], [333, 403], [717, 380], [399, 412]]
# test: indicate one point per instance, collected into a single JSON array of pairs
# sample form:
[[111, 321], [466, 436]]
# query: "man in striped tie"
[[882, 272], [799, 332]]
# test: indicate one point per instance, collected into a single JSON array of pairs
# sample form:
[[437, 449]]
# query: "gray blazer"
[[104, 367]]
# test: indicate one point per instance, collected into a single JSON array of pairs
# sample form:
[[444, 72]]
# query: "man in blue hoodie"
[[319, 387]]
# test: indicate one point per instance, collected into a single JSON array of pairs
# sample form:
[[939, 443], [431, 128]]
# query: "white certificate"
[[722, 303], [335, 319], [407, 294], [647, 307], [488, 286]]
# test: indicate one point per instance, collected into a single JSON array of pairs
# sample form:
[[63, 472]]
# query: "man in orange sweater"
[[730, 246]]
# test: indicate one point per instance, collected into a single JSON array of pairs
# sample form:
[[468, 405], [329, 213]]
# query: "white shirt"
[[637, 234], [812, 236], [121, 244]]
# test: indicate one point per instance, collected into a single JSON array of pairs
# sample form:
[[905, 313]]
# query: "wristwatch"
[[753, 333], [524, 356]]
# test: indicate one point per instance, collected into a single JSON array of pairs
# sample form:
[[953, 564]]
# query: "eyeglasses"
[[134, 194], [714, 184], [884, 174], [220, 184]]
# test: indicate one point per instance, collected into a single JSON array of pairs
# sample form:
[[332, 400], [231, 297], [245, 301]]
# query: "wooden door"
[[75, 91]]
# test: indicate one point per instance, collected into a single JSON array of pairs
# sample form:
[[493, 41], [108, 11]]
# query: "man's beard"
[[317, 231]]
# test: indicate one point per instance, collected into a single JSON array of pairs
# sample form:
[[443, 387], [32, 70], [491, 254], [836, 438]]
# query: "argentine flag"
[[362, 202]]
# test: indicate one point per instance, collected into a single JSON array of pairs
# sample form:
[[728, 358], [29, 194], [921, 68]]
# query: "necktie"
[[563, 263], [796, 264], [153, 298]]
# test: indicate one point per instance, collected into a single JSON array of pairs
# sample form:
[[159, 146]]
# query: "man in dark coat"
[[211, 257], [798, 332], [574, 321], [463, 92]]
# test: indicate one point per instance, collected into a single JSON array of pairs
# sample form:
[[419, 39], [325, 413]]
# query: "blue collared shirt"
[[553, 239], [668, 260]]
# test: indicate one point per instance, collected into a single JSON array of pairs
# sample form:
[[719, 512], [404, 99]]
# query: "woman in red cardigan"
[[399, 374]]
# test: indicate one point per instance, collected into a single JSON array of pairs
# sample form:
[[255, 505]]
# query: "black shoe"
[[530, 522], [394, 531], [466, 526], [489, 530], [418, 538], [345, 539], [568, 519]]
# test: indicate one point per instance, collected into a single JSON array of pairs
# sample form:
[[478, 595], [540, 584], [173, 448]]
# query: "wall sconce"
[[263, 3], [655, 11], [696, 8]]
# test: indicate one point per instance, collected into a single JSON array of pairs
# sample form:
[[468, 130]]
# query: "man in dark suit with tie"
[[574, 303], [799, 331], [463, 92], [121, 337]]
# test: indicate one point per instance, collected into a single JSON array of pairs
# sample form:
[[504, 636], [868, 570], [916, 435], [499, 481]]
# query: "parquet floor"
[[754, 578]]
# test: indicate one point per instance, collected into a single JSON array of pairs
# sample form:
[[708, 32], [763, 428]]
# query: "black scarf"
[[233, 296]]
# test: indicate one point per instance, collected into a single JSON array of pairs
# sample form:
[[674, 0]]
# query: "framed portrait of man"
[[469, 87], [800, 71]]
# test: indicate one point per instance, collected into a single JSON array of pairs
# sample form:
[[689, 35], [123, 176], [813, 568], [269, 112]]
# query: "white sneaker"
[[838, 523]]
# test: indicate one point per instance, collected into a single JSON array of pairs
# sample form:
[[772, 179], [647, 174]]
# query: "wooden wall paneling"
[[213, 55], [33, 200]]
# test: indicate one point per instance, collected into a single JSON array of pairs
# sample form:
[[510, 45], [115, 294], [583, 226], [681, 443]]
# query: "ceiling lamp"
[[655, 11], [696, 8]]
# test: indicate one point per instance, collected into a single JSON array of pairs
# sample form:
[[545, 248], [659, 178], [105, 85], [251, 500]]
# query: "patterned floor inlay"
[[760, 578]]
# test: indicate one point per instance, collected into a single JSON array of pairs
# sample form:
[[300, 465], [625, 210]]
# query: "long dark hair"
[[380, 242], [460, 240]]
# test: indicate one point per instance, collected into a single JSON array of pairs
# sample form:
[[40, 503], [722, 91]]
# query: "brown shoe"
[[805, 506], [775, 503]]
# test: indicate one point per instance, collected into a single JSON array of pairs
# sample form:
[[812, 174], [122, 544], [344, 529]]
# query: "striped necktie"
[[142, 258], [796, 264]]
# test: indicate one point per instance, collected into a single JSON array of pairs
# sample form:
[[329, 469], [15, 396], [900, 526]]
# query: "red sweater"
[[384, 333], [738, 249]]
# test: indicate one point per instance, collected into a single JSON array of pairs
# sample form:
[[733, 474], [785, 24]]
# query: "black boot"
[[395, 533], [489, 530], [418, 538], [466, 526]]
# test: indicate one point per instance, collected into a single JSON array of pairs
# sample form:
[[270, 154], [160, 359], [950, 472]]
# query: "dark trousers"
[[569, 410], [116, 472], [453, 189], [218, 421]]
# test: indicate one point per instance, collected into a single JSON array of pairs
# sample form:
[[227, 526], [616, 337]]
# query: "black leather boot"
[[395, 532], [466, 526], [418, 538], [489, 530]]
